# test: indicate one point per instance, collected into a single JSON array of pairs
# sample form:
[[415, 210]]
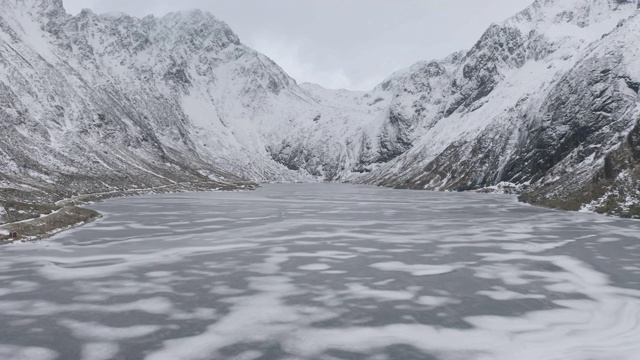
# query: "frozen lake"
[[326, 272]]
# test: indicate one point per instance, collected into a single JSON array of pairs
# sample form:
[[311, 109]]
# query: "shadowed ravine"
[[325, 271]]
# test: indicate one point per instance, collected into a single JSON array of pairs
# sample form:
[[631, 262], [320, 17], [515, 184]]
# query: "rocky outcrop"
[[546, 109]]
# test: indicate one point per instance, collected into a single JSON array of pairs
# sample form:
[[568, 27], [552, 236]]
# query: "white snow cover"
[[98, 89], [109, 99], [545, 42]]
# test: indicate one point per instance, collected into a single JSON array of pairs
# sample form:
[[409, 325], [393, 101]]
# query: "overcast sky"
[[351, 44]]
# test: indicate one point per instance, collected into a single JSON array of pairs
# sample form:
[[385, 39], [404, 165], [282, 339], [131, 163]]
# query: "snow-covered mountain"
[[114, 101], [93, 102], [547, 99]]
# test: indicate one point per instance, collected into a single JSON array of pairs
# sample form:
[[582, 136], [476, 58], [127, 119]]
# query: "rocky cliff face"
[[546, 101], [75, 111], [114, 101]]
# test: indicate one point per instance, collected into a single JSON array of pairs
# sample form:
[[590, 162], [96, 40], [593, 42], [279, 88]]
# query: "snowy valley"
[[315, 263], [545, 105]]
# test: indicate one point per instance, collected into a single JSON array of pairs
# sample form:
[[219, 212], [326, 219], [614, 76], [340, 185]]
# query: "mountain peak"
[[194, 15], [582, 13], [200, 24], [48, 13], [39, 7]]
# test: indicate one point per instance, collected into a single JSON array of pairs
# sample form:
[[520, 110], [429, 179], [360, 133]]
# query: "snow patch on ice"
[[14, 352], [99, 332], [501, 294], [416, 270], [100, 351], [315, 267]]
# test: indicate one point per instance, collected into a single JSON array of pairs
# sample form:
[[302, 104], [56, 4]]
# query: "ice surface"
[[95, 331], [417, 270], [26, 353], [315, 267], [99, 351], [326, 271]]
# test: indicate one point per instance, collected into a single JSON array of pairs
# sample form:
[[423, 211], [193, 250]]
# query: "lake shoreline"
[[73, 215], [69, 213]]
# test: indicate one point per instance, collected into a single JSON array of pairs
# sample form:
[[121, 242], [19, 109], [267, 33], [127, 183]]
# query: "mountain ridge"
[[109, 102], [471, 161]]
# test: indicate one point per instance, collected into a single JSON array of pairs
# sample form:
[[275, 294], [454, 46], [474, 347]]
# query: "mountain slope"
[[72, 120], [541, 100], [176, 93], [546, 101]]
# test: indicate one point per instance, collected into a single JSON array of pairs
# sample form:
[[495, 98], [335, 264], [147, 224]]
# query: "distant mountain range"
[[545, 105]]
